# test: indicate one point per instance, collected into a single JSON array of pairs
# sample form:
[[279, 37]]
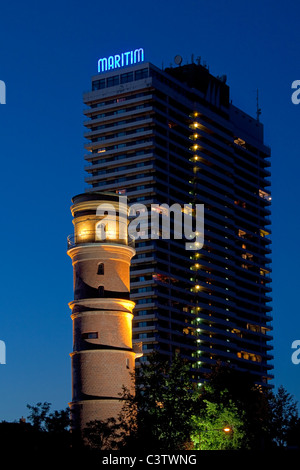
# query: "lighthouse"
[[103, 358]]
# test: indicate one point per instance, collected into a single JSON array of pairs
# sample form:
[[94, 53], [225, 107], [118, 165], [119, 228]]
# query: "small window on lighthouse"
[[127, 363], [100, 268], [101, 291], [90, 335]]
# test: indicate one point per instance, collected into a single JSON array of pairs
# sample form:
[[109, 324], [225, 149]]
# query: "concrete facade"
[[174, 136]]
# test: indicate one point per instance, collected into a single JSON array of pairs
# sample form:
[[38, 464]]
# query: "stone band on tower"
[[102, 357]]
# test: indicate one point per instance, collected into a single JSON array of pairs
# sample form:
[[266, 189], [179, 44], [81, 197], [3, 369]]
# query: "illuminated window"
[[249, 356], [241, 233], [240, 142], [264, 195], [263, 233], [247, 256]]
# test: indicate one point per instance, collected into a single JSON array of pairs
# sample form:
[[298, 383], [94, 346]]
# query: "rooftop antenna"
[[258, 109]]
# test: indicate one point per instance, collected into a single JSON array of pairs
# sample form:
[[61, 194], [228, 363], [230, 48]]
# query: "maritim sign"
[[120, 60]]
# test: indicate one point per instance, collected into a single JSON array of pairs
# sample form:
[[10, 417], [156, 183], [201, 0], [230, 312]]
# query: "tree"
[[58, 421], [167, 413], [227, 385], [284, 416], [38, 415], [48, 429], [218, 427], [102, 435], [159, 414], [42, 420], [164, 403]]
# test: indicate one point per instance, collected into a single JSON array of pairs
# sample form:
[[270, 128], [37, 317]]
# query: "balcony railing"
[[92, 237]]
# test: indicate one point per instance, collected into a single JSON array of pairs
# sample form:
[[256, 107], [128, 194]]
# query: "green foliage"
[[168, 414], [157, 416], [226, 386], [163, 405], [209, 425]]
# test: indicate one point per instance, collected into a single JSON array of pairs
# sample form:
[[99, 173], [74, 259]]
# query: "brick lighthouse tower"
[[102, 357]]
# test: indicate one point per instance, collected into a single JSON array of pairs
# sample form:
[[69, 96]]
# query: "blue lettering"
[[102, 65], [120, 60], [126, 54], [117, 61], [138, 55], [110, 62]]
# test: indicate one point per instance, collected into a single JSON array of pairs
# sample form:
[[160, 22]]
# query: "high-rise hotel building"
[[173, 136]]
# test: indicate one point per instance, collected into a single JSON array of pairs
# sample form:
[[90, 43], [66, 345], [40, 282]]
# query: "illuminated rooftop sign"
[[120, 60]]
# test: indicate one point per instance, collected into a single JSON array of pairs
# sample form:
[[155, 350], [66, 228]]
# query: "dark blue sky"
[[49, 51]]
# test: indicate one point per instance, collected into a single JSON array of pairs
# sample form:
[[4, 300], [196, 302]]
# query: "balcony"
[[93, 237]]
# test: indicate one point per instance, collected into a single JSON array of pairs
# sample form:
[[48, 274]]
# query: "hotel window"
[[143, 335], [142, 312], [242, 233], [141, 74], [98, 84], [127, 77], [113, 81]]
